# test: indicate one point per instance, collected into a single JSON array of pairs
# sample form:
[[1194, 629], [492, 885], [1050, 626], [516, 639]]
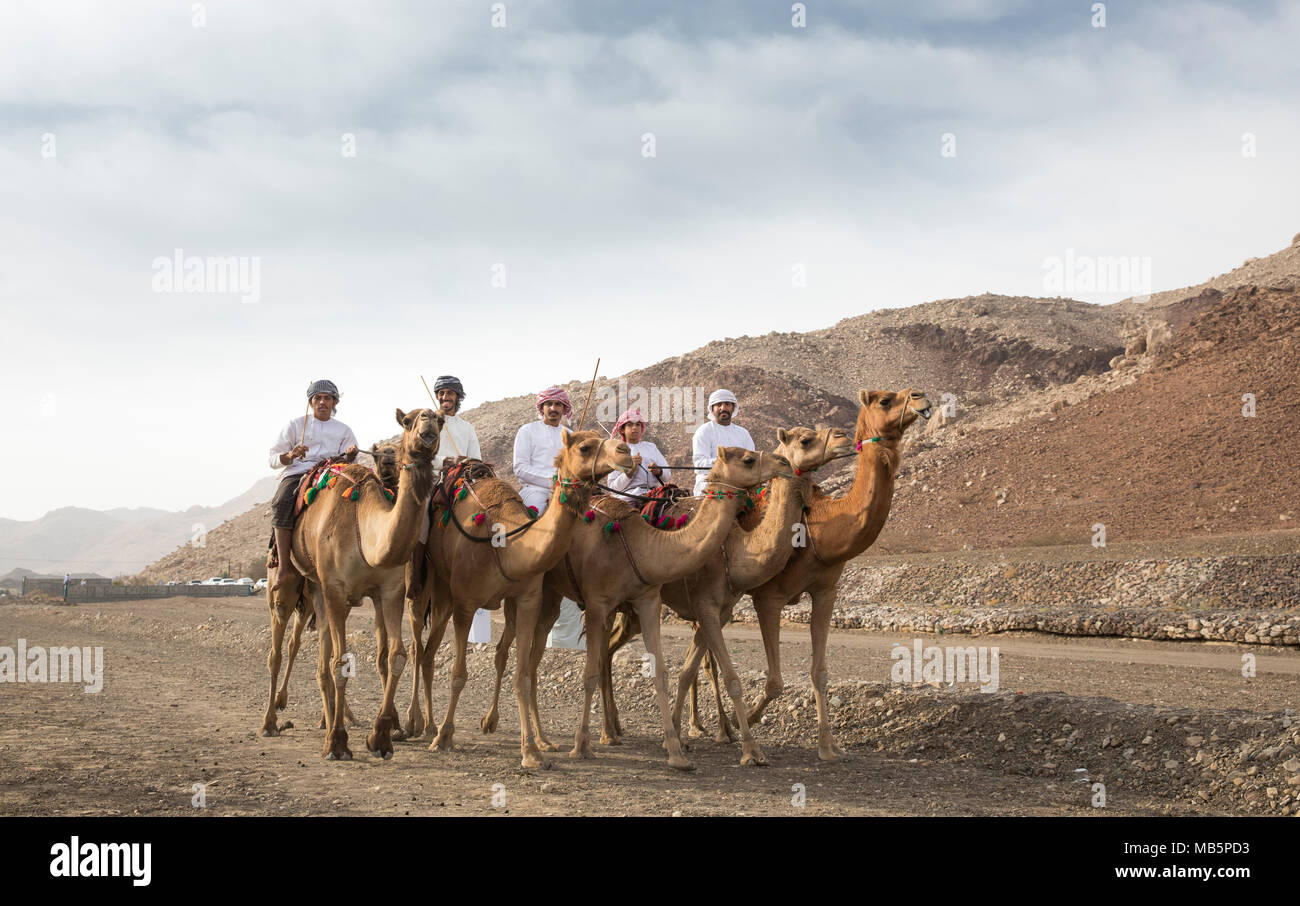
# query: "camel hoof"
[[321, 725], [282, 701], [345, 755], [610, 741], [441, 744], [532, 761], [489, 724], [753, 759], [582, 753], [270, 730], [829, 755], [680, 762], [547, 746]]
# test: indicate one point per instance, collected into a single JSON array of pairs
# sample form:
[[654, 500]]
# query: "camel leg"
[[545, 622], [768, 608], [391, 604], [687, 679], [724, 733], [461, 619], [750, 754], [299, 624], [336, 610], [590, 677], [324, 652], [623, 631], [441, 613], [527, 609], [416, 610], [647, 611], [823, 603], [489, 722], [383, 632], [279, 616]]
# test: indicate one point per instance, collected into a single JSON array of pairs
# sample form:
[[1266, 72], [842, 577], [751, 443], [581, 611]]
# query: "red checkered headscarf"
[[554, 395], [629, 417]]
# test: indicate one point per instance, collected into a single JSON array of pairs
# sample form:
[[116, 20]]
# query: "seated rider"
[[302, 444], [649, 472]]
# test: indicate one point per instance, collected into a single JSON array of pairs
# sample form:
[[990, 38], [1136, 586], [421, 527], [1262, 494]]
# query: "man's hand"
[[297, 452], [350, 454], [656, 471]]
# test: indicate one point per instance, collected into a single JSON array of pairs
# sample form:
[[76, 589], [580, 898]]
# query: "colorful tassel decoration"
[[666, 522], [681, 520], [587, 516], [645, 516], [479, 517], [462, 493], [356, 493], [564, 498], [311, 495], [446, 516], [390, 495], [610, 527], [534, 511]]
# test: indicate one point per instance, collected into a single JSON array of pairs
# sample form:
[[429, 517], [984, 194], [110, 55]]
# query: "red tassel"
[[681, 520]]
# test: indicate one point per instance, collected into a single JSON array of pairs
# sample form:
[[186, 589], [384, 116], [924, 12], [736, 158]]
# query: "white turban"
[[722, 396]]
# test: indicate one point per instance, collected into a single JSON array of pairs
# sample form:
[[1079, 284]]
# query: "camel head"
[[807, 449], [386, 465], [587, 456], [420, 431], [737, 467], [887, 413]]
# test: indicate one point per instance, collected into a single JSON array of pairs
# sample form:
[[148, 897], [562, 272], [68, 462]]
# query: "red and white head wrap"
[[554, 395], [629, 417]]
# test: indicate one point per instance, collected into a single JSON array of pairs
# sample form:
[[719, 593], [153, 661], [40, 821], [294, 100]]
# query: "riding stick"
[[590, 390]]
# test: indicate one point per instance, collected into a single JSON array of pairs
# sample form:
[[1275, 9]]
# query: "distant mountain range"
[[111, 542]]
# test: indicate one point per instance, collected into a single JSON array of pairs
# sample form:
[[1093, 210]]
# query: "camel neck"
[[758, 551], [844, 527]]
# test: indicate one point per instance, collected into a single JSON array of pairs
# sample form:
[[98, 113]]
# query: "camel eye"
[[806, 441], [748, 460]]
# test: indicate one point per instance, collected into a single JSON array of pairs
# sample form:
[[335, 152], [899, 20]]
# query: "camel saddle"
[[456, 474], [662, 499]]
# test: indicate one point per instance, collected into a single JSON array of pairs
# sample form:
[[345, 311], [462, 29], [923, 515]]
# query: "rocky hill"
[[1070, 414]]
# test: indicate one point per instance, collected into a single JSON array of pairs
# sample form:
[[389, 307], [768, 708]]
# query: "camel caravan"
[[585, 554]]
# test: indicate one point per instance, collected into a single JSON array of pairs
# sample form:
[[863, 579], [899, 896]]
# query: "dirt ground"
[[1167, 728]]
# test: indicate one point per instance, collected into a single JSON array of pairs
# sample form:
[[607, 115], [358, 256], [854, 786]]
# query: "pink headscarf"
[[631, 416], [554, 394]]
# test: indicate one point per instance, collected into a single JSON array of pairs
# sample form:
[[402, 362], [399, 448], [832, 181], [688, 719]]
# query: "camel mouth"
[[926, 413]]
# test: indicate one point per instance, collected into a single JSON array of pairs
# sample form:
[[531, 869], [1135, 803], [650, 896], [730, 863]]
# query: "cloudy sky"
[[895, 152]]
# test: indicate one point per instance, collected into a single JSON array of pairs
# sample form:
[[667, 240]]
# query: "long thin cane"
[[590, 390]]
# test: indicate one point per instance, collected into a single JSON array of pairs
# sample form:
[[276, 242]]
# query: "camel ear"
[[722, 453], [567, 436], [782, 435], [401, 418], [867, 397]]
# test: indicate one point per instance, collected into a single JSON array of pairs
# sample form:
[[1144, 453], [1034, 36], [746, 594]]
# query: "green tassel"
[[446, 516], [645, 516], [311, 495], [462, 493], [390, 495], [356, 493], [564, 498]]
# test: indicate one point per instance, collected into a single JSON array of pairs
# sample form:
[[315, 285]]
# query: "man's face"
[[632, 432], [448, 399], [722, 412], [322, 404], [552, 412]]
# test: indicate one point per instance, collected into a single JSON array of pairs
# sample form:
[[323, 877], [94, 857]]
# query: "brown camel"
[[606, 569], [466, 574], [348, 550], [839, 529], [754, 551], [295, 601]]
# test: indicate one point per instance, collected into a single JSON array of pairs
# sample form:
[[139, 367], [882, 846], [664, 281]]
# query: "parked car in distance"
[[215, 580], [259, 585], [244, 581], [195, 582]]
